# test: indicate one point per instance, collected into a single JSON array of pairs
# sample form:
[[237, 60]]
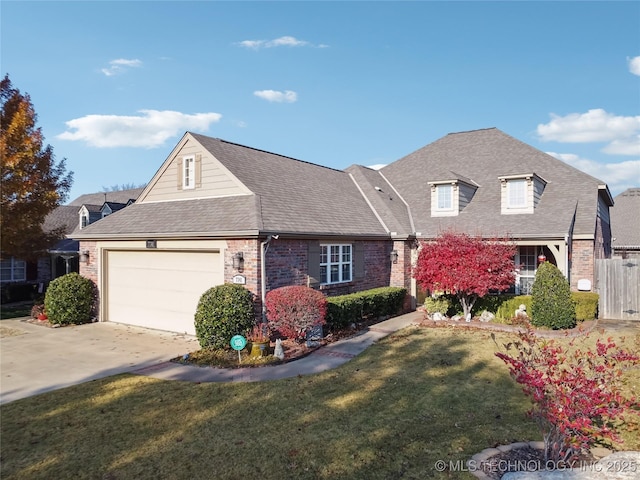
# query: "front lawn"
[[412, 399]]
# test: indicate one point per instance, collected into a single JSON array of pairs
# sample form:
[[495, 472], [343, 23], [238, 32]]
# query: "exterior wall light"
[[84, 256], [394, 256], [238, 261]]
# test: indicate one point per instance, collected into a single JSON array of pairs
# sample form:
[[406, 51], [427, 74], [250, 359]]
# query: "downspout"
[[264, 246]]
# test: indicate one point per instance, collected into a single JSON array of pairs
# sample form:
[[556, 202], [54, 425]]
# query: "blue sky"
[[116, 84]]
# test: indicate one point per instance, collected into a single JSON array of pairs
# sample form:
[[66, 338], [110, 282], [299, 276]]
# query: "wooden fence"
[[618, 284]]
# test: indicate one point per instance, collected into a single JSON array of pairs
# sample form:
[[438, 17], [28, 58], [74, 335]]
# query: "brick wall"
[[90, 268], [582, 261]]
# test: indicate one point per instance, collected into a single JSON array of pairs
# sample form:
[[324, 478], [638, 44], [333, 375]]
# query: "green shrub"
[[551, 304], [491, 303], [441, 303], [223, 311], [70, 299], [510, 304], [355, 307], [586, 305]]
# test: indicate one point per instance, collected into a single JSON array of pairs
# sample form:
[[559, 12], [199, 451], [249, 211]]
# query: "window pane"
[[323, 274], [517, 193], [323, 254], [335, 274], [444, 197], [335, 253], [346, 253], [346, 272]]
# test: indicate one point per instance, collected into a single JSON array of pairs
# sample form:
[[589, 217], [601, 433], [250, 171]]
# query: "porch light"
[[84, 256], [394, 256], [238, 261], [542, 258]]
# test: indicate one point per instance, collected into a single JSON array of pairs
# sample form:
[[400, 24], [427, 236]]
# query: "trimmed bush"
[[586, 305], [508, 307], [293, 310], [442, 304], [355, 307], [70, 299], [223, 311], [551, 304]]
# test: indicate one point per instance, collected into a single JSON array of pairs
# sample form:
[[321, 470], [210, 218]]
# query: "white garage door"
[[159, 289]]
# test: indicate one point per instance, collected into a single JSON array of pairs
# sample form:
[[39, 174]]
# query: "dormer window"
[[84, 220], [449, 197], [517, 194], [520, 193], [444, 194]]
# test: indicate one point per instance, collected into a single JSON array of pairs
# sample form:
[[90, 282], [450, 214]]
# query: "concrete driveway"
[[36, 359]]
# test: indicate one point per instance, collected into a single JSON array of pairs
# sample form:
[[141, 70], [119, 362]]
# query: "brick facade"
[[582, 262], [90, 268]]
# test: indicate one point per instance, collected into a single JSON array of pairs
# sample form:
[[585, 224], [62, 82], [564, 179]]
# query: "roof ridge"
[[471, 131], [266, 151]]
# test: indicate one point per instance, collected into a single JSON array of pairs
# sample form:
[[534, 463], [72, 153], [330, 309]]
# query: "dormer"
[[111, 207], [520, 194], [88, 214], [449, 197]]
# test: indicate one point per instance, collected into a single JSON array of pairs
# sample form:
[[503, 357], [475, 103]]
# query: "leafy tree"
[[465, 266], [33, 184]]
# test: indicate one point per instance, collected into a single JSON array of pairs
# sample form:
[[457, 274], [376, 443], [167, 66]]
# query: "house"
[[625, 226], [27, 277], [220, 212]]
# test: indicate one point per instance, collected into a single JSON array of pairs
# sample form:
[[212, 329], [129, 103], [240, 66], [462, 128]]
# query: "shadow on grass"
[[412, 399]]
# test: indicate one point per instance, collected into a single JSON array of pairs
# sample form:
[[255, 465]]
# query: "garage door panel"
[[157, 289]]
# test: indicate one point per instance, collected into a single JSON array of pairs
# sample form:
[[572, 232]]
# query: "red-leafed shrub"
[[293, 310]]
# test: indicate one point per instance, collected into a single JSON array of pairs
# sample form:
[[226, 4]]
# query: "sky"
[[117, 84]]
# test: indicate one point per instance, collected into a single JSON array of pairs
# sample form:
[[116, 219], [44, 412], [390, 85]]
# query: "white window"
[[335, 263], [445, 197], [526, 273], [517, 193], [12, 270], [189, 172]]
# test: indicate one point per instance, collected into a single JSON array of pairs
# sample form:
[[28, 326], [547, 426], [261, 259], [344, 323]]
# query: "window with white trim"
[[517, 193], [526, 269], [445, 197], [189, 172], [336, 263], [13, 270]]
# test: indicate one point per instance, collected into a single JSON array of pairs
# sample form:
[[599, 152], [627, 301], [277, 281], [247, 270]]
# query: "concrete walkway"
[[325, 358]]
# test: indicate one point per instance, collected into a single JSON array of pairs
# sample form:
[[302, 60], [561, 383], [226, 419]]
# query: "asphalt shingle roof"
[[625, 226], [482, 156]]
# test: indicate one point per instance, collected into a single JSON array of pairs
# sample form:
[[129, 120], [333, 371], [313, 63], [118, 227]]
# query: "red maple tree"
[[466, 266]]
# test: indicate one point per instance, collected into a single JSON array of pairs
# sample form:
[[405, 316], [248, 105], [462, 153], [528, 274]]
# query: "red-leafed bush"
[[293, 310]]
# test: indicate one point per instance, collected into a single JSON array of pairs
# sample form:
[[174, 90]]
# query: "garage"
[[159, 289]]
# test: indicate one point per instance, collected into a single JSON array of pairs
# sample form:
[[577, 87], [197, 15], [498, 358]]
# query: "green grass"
[[414, 398]]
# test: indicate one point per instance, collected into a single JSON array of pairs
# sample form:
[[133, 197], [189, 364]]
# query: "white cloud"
[[377, 166], [594, 126], [634, 65], [286, 41], [276, 96], [619, 176], [120, 65], [148, 130]]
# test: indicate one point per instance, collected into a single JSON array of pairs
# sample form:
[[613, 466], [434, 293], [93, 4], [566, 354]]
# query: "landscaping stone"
[[487, 316]]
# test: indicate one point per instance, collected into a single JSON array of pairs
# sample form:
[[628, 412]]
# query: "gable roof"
[[287, 196], [483, 156], [625, 227], [99, 198]]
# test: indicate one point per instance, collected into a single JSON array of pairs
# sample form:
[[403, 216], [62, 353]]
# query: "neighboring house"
[[64, 256], [220, 212], [625, 226]]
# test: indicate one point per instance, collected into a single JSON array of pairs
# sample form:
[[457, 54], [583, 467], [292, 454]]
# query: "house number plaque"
[[239, 279]]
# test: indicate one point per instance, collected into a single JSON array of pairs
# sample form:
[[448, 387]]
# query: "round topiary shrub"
[[223, 311], [293, 310], [551, 302], [70, 300]]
